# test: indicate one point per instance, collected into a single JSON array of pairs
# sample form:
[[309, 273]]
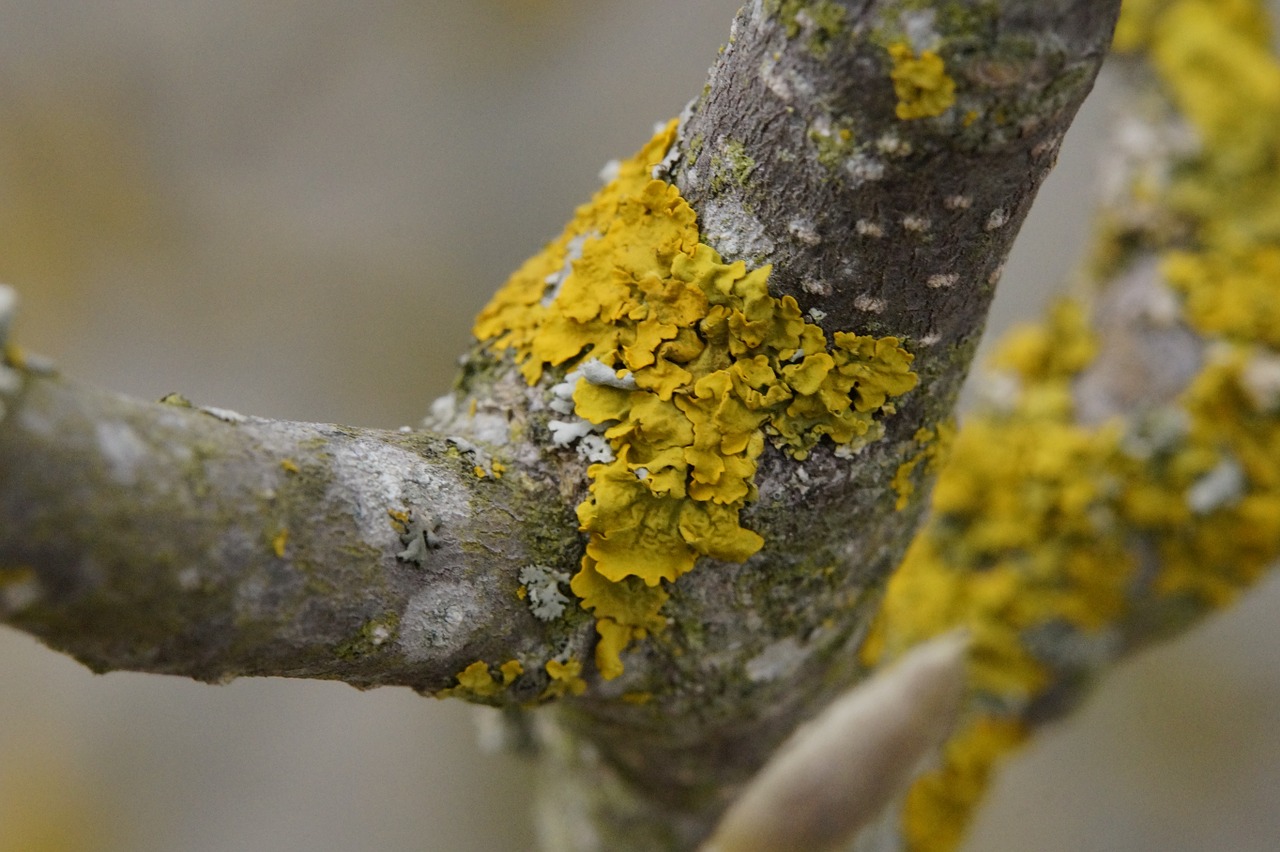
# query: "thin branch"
[[163, 538]]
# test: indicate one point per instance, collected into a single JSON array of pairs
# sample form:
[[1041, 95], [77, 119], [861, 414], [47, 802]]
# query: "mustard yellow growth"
[[934, 445], [477, 681], [279, 542], [937, 808], [566, 679], [1234, 294], [921, 83], [1037, 518], [706, 366]]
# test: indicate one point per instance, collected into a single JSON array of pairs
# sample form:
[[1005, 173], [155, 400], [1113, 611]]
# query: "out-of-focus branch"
[[1122, 480]]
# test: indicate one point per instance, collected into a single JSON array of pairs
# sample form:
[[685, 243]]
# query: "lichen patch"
[[685, 366]]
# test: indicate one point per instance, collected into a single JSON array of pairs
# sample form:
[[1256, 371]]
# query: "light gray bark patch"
[[444, 616]]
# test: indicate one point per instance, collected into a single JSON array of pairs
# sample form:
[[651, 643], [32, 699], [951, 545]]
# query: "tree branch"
[[170, 539]]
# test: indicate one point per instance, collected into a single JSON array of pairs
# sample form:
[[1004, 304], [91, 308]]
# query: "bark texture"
[[162, 538]]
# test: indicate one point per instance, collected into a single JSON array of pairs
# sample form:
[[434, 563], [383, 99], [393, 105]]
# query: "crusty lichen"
[[693, 367], [1041, 523], [820, 22]]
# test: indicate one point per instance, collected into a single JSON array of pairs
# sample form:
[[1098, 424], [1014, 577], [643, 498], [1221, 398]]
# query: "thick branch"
[[163, 538], [796, 155]]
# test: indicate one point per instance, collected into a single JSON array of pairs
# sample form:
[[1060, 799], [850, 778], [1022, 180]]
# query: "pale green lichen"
[[820, 22], [731, 166], [706, 367]]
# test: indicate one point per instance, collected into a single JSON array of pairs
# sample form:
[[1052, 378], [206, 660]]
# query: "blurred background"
[[294, 209]]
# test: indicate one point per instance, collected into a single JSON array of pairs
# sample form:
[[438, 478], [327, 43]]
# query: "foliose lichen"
[[920, 82], [706, 367]]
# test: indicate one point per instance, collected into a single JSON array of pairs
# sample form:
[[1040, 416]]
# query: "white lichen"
[[729, 228], [998, 219], [566, 432], [784, 82], [555, 281], [594, 448], [930, 339], [864, 168], [542, 587], [957, 202], [916, 223], [870, 304], [920, 27], [379, 634], [817, 286], [444, 615], [893, 145], [419, 538], [597, 372], [867, 228], [441, 412], [943, 281], [805, 231]]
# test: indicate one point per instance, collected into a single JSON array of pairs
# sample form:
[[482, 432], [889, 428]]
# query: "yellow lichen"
[[706, 366], [1231, 293], [510, 670], [921, 83], [566, 679], [279, 542], [933, 448], [289, 466], [476, 681], [937, 807]]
